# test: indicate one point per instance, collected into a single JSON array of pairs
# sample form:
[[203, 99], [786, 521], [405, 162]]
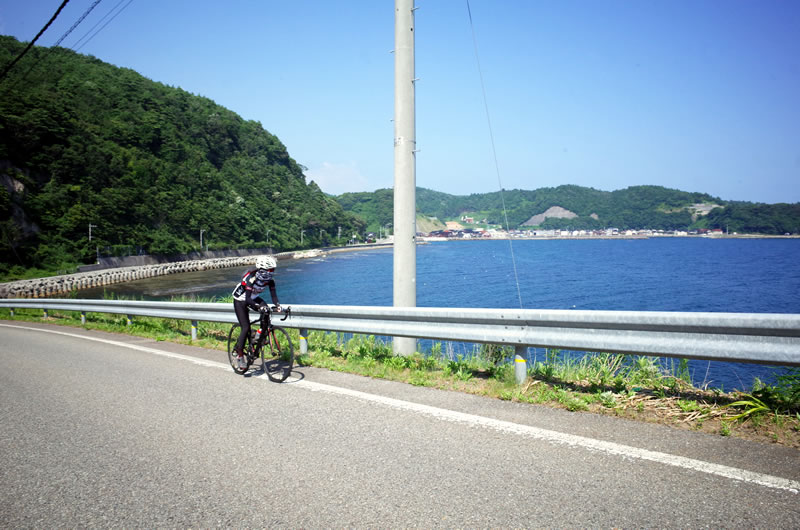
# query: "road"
[[107, 430]]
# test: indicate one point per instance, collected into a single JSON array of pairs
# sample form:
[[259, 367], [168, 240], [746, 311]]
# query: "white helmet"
[[266, 262]]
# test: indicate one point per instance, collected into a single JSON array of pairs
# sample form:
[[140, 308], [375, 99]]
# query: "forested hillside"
[[637, 207], [149, 166]]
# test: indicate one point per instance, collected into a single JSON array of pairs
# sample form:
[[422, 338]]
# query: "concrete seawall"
[[55, 285]]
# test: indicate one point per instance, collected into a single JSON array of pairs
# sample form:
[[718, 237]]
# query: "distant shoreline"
[[587, 237], [55, 285], [63, 284]]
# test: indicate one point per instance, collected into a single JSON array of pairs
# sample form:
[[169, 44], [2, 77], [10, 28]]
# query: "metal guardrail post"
[[520, 364], [194, 329], [303, 341]]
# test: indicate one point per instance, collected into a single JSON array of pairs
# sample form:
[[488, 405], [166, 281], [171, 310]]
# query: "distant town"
[[492, 233], [456, 230], [453, 232]]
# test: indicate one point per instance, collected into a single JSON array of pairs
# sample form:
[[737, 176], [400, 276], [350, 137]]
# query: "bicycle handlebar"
[[271, 309]]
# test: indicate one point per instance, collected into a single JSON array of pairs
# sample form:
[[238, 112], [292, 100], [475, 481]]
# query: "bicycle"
[[272, 344]]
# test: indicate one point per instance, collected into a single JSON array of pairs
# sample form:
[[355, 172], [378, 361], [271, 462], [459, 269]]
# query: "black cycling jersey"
[[253, 284]]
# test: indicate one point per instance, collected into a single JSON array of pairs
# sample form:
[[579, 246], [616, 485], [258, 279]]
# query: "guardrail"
[[763, 338]]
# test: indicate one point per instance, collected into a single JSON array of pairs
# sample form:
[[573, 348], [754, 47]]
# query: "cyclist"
[[247, 295]]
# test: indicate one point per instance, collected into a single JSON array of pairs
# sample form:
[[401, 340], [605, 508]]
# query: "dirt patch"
[[554, 211]]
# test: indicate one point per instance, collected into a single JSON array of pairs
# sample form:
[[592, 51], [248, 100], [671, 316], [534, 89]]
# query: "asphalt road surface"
[[102, 430]]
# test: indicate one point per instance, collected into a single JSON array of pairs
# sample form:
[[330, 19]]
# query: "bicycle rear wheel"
[[277, 356], [233, 336]]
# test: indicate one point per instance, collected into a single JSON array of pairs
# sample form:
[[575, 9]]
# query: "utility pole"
[[301, 237], [201, 239], [405, 179], [90, 230]]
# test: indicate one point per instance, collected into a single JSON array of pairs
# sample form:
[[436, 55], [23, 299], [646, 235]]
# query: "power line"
[[30, 45], [75, 25], [494, 151], [103, 26]]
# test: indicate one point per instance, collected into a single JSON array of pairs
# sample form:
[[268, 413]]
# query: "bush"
[[495, 354]]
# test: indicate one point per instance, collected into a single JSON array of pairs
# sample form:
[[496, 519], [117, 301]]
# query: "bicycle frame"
[[265, 331], [277, 360]]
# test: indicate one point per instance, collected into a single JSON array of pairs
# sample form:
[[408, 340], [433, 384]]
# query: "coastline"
[[55, 285], [66, 283], [612, 237]]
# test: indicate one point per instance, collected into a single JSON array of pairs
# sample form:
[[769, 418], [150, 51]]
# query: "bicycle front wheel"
[[277, 357]]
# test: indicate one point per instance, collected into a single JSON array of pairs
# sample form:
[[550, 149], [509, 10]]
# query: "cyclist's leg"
[[243, 316], [238, 363]]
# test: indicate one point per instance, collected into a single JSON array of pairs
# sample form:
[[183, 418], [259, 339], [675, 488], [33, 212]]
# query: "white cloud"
[[338, 178]]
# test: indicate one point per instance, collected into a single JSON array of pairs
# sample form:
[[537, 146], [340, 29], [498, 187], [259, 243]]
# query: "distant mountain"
[[577, 207], [147, 166]]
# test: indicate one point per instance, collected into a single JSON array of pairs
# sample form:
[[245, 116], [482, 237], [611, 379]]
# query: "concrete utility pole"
[[405, 178]]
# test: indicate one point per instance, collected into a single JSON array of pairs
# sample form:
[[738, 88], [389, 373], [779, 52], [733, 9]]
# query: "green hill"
[[576, 207], [147, 165]]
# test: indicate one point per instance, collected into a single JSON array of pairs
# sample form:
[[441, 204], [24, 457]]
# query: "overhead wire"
[[71, 29], [77, 22], [74, 48], [30, 44], [494, 150]]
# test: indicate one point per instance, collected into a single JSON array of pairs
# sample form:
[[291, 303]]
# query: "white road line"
[[554, 437]]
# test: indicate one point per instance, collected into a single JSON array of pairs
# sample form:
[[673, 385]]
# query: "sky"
[[695, 95]]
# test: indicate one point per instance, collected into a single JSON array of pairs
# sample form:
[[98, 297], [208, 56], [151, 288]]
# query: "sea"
[[738, 275]]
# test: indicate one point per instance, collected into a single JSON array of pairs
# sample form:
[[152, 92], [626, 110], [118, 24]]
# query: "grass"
[[17, 272], [634, 387]]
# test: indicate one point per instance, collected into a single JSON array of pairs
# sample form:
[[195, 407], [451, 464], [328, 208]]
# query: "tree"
[[92, 143]]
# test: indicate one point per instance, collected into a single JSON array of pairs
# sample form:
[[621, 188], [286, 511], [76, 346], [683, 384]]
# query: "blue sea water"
[[658, 274]]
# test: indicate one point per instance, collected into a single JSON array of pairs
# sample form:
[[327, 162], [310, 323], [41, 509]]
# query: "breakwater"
[[55, 285]]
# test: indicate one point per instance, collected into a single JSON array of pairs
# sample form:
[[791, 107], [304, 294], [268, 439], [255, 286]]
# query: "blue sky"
[[699, 95]]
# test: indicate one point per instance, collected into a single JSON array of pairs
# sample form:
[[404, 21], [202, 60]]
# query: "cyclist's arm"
[[257, 302], [252, 303], [274, 294]]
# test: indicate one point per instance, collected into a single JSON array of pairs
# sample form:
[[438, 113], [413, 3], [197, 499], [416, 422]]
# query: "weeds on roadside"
[[781, 399], [752, 405]]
